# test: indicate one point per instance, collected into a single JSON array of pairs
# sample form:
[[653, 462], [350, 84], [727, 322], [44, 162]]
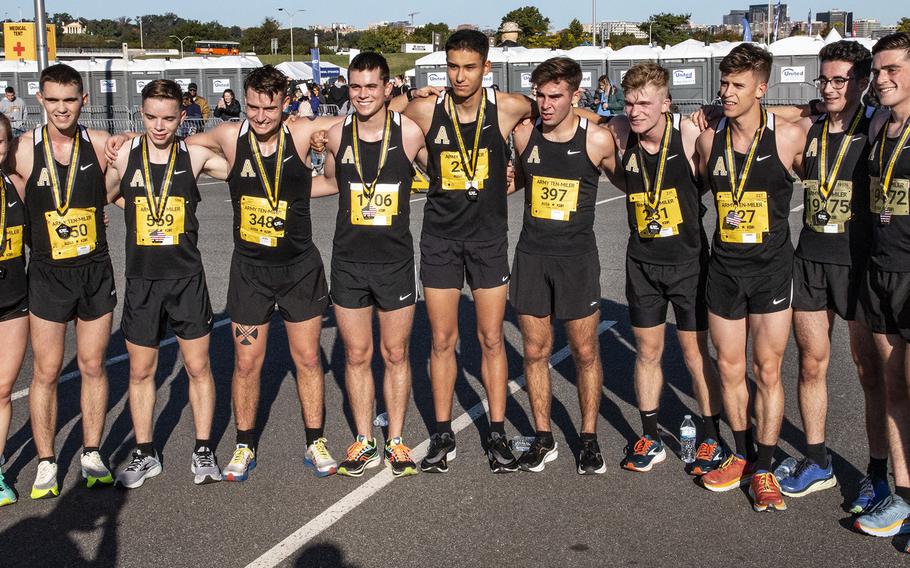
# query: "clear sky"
[[485, 13]]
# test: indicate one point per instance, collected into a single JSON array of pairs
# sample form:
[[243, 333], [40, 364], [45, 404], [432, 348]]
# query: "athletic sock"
[[711, 426], [51, 459], [498, 427], [589, 436], [752, 456], [313, 434], [649, 423], [147, 448], [246, 437], [444, 426], [89, 449], [765, 455], [902, 492], [878, 468], [545, 437], [203, 445], [818, 453], [742, 446]]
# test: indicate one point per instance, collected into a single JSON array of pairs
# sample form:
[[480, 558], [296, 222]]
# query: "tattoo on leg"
[[247, 334]]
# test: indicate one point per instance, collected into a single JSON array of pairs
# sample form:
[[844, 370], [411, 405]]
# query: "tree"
[[384, 39], [667, 29], [424, 34], [572, 36], [259, 39], [619, 41], [530, 21], [903, 25]]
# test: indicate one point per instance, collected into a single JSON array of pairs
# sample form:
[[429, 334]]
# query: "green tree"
[[572, 36], [667, 29], [384, 39], [259, 38], [532, 23], [903, 25], [424, 34], [619, 41]]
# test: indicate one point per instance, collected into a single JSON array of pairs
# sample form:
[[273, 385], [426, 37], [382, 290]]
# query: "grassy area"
[[398, 62]]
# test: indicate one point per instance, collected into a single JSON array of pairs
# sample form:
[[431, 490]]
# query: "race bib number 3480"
[[259, 223]]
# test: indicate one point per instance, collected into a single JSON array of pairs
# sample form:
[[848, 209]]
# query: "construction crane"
[[412, 14]]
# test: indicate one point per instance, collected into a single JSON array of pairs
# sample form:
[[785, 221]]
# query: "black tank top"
[[165, 248], [257, 237], [448, 213], [78, 236], [560, 192], [13, 284], [761, 243], [378, 229], [890, 242], [846, 237], [680, 238]]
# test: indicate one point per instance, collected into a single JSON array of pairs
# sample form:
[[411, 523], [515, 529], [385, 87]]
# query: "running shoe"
[[590, 460], [502, 460], [205, 467], [808, 477], [45, 486], [765, 492], [398, 458], [733, 473], [140, 467], [7, 495], [872, 491], [242, 463], [891, 517], [94, 471], [708, 457], [361, 455], [441, 450], [644, 454], [538, 455], [319, 458]]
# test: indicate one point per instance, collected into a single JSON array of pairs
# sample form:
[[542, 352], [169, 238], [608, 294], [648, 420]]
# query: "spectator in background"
[[228, 107], [192, 121], [338, 93], [315, 101], [14, 109], [398, 85], [203, 104]]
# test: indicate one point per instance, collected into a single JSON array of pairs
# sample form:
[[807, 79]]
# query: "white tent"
[[302, 71]]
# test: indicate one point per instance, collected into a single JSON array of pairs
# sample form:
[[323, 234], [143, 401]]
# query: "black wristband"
[[409, 94]]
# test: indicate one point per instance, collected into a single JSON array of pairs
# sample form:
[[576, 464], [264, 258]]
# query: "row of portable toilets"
[[693, 66]]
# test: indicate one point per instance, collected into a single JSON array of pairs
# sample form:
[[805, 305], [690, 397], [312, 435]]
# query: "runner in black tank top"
[[556, 271]]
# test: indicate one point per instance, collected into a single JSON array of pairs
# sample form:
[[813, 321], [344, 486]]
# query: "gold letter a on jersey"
[[442, 137], [632, 166], [348, 157], [44, 179], [534, 156], [247, 171], [137, 180], [719, 168], [813, 149]]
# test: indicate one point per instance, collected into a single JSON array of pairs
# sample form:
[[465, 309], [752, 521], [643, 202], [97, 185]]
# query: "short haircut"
[[899, 40], [642, 74], [226, 91], [557, 69], [11, 90], [6, 127], [748, 57], [469, 40], [162, 89], [369, 60], [62, 74], [267, 80], [850, 51]]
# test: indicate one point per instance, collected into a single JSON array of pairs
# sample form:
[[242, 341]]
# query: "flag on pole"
[[747, 30], [777, 11], [809, 24]]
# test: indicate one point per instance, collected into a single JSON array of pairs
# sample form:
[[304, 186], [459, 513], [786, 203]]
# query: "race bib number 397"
[[752, 212], [554, 198], [73, 234], [165, 231], [259, 223]]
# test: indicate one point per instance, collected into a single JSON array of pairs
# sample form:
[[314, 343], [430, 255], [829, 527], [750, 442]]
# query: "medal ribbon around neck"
[[653, 193], [827, 180], [271, 189], [369, 189], [62, 203], [738, 189], [3, 212], [895, 154], [158, 204], [469, 168]]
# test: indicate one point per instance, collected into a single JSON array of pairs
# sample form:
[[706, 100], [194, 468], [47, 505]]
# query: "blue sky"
[[482, 12]]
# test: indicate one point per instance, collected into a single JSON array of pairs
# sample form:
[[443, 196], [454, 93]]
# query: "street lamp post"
[[290, 14], [141, 42], [181, 40]]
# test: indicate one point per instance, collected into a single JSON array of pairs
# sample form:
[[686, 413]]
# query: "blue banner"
[[747, 30], [317, 75]]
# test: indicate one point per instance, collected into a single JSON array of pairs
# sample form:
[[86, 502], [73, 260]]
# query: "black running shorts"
[[388, 286], [886, 302], [650, 288], [15, 309], [445, 263], [823, 286], [59, 294], [735, 297], [566, 287], [150, 305]]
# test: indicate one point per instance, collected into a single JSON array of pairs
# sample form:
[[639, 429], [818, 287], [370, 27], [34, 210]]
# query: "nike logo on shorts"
[[505, 278], [760, 158], [85, 167], [776, 302], [405, 297], [317, 299], [594, 303]]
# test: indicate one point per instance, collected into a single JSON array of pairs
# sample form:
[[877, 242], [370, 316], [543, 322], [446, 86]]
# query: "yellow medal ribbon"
[[370, 188], [157, 205], [737, 189], [827, 180], [62, 203], [653, 193], [271, 189], [2, 212], [469, 168], [895, 154]]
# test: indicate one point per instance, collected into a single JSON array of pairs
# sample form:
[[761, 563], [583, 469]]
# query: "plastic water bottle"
[[687, 439], [521, 443], [785, 468], [382, 420]]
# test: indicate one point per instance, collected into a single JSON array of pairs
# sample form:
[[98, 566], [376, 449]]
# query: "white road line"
[[116, 359], [797, 208], [211, 182], [610, 199], [299, 538], [418, 199]]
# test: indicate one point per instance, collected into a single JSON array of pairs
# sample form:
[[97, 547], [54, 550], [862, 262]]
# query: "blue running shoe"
[[872, 491], [891, 517], [642, 455], [808, 477], [7, 495]]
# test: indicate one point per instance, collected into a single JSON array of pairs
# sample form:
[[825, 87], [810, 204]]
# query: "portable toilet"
[[593, 62], [689, 64], [795, 67], [8, 76], [246, 65], [141, 72], [184, 71], [719, 50], [499, 67], [430, 70], [523, 63], [26, 73], [218, 74], [623, 59]]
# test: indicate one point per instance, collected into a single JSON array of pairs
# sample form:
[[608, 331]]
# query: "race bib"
[[554, 198], [163, 232], [259, 223], [13, 248], [896, 200], [375, 212], [838, 208], [752, 212], [667, 214], [73, 234], [453, 174]]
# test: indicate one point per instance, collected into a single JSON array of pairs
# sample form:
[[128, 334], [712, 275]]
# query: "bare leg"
[[729, 338], [92, 338], [202, 385], [586, 352], [769, 342], [537, 334], [15, 339], [303, 339], [356, 329], [490, 305], [649, 378], [395, 332], [442, 310], [143, 363], [892, 351], [813, 337], [705, 379], [249, 354], [869, 369]]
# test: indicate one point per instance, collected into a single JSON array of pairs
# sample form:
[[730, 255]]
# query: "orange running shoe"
[[733, 473], [765, 492]]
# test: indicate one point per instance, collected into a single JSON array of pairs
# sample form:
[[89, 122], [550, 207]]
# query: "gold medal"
[[271, 189], [157, 203], [887, 173], [369, 189], [62, 202], [469, 163], [827, 180], [2, 213], [653, 193], [737, 189]]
